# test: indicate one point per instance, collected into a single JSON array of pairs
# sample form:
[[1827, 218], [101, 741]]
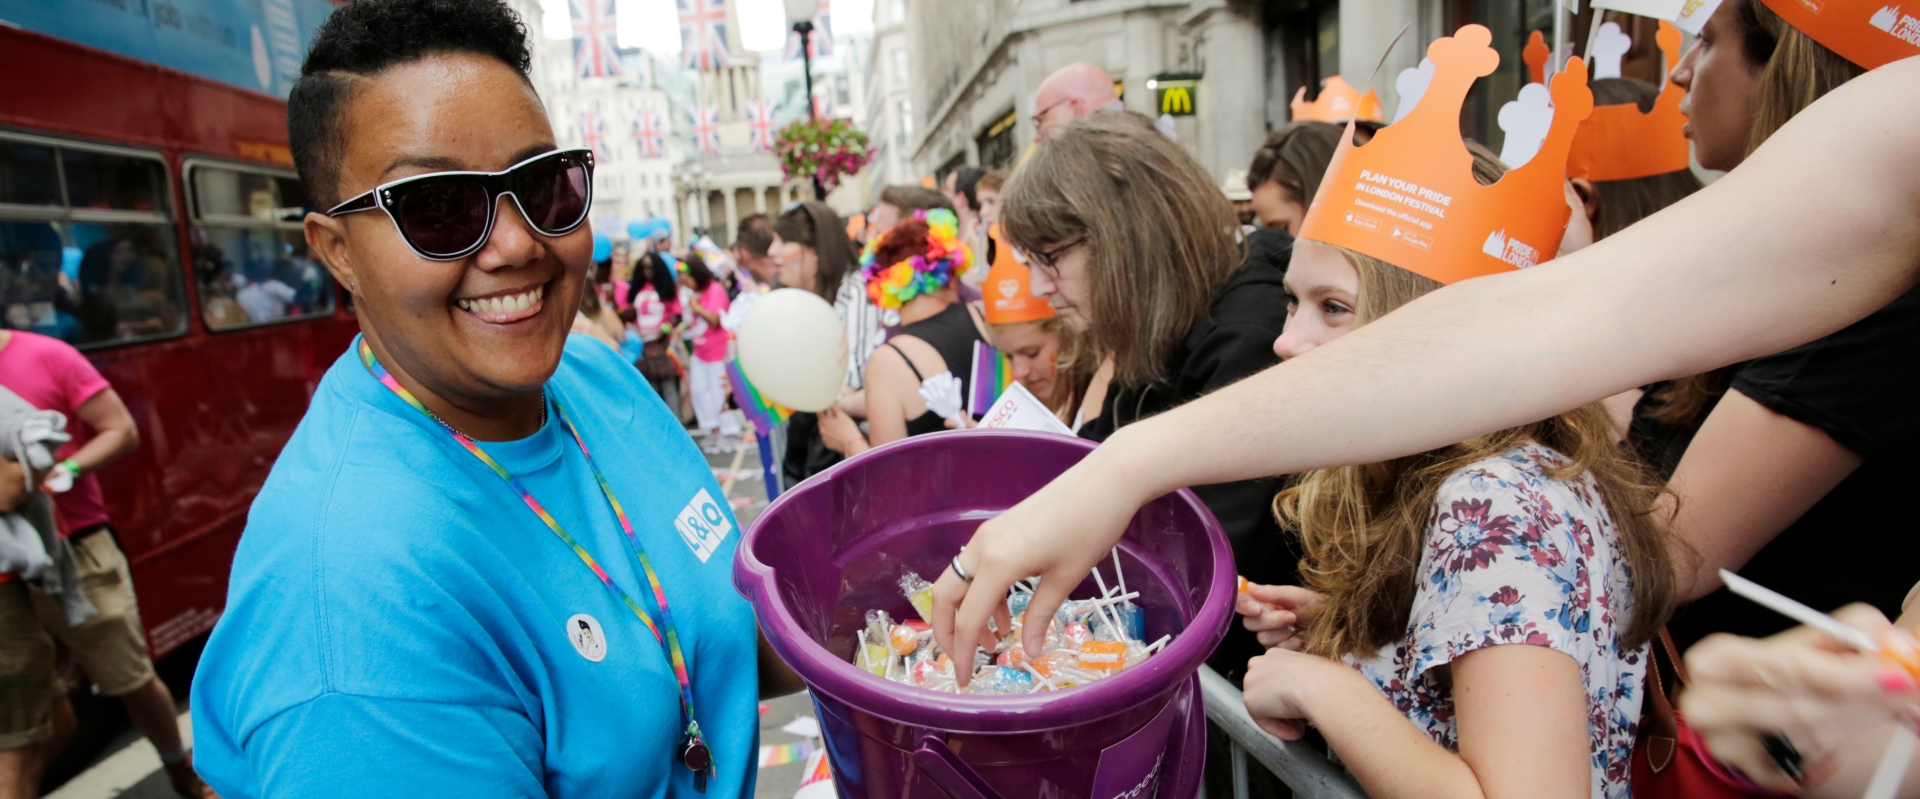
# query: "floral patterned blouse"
[[1514, 556]]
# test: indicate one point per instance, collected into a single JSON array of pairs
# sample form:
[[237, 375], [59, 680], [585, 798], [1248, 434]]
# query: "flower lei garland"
[[892, 285]]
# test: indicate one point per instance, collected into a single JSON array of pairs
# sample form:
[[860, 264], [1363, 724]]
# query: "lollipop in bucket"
[[1087, 640]]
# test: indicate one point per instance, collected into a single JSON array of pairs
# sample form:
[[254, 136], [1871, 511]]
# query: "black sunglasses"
[[446, 216]]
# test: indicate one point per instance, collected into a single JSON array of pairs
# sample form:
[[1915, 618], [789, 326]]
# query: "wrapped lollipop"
[[919, 593]]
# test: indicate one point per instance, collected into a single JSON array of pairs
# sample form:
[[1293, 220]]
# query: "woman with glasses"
[[490, 562], [1139, 252]]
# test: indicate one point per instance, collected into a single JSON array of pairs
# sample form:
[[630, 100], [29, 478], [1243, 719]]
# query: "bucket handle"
[[949, 772]]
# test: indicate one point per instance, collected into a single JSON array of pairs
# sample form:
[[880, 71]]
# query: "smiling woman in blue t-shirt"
[[489, 562]]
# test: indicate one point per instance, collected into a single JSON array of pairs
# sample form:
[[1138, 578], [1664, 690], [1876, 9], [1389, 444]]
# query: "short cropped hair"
[[367, 37], [992, 181], [914, 198], [755, 235]]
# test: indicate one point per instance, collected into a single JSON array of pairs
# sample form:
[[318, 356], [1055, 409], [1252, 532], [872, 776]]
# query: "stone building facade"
[[975, 66]]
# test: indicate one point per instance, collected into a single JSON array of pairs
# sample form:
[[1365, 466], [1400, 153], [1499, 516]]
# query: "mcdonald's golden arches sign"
[[1176, 93]]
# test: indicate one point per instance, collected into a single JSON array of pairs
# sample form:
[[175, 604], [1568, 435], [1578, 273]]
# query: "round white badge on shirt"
[[587, 637]]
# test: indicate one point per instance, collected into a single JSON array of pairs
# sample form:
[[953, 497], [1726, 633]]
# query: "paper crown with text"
[[1618, 142], [1408, 197], [1870, 33], [1008, 292], [1339, 102]]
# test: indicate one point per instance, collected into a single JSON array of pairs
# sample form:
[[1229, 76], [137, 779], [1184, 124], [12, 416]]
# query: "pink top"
[[51, 375], [712, 345]]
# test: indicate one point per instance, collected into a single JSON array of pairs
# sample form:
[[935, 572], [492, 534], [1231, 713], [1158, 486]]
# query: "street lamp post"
[[802, 13], [694, 177]]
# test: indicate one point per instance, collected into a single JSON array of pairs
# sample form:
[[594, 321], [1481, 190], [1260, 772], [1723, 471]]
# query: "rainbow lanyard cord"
[[700, 761]]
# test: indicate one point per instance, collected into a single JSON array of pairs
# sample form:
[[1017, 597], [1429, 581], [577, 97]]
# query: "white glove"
[[942, 393], [58, 481]]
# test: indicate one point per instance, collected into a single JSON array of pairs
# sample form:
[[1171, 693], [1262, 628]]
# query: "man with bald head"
[[1072, 92]]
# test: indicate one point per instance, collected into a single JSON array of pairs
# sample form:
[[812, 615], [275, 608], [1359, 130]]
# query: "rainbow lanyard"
[[700, 761]]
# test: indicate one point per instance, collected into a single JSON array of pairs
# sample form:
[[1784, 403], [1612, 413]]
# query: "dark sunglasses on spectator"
[[446, 216]]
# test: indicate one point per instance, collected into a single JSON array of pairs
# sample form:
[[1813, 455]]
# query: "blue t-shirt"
[[400, 623]]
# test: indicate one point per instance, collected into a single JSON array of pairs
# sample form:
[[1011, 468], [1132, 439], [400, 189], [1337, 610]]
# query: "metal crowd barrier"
[[1307, 772]]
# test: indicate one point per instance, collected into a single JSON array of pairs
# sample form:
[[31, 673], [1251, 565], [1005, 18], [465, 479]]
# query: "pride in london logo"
[[1903, 26], [1511, 250]]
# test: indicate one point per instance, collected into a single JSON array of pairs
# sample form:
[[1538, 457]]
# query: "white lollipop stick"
[[1775, 601], [1893, 765], [1106, 612], [1118, 575]]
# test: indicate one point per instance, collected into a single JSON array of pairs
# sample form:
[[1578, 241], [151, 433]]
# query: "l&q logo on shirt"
[[703, 525]]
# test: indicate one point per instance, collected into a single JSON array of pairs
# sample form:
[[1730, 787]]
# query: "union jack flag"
[[650, 129], [819, 42], [760, 124], [596, 45], [593, 134], [706, 129], [823, 106], [703, 35]]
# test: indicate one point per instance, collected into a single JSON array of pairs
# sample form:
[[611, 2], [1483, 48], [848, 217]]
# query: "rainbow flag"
[[762, 412], [783, 754], [992, 373], [818, 782]]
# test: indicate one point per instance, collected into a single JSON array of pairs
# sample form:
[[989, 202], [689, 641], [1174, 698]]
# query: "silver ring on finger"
[[960, 571]]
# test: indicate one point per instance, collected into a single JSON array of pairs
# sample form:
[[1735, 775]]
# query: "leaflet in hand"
[[1018, 409]]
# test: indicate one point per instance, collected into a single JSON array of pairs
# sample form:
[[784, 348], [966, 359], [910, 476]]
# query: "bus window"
[[249, 251], [27, 175], [106, 181], [36, 293], [92, 260]]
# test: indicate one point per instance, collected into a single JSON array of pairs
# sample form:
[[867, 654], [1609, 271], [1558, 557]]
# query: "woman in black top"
[[914, 269], [1137, 250], [811, 249], [1797, 477]]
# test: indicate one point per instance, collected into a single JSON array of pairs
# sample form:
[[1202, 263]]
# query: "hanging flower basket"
[[826, 150]]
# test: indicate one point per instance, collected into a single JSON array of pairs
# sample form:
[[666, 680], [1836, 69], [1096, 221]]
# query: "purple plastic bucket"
[[836, 546]]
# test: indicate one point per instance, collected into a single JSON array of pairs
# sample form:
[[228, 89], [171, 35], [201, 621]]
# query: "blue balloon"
[[602, 247], [661, 227], [638, 230]]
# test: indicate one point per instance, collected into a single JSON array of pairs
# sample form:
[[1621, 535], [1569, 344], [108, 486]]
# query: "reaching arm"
[[1749, 473], [114, 433], [1712, 280]]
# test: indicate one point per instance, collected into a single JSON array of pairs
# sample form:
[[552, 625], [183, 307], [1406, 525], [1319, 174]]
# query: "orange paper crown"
[[1620, 143], [1535, 54], [1009, 290], [1337, 103], [1871, 33], [1409, 197]]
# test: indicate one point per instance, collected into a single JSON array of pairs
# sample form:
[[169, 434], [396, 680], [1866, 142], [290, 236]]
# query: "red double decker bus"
[[151, 217]]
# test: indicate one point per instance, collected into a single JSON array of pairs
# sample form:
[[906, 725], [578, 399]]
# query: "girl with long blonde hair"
[[1499, 593]]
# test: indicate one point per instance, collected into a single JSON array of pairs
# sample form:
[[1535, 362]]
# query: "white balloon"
[[794, 349]]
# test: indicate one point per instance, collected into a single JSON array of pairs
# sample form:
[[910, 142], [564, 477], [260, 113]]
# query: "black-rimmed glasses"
[[446, 216], [1049, 260]]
